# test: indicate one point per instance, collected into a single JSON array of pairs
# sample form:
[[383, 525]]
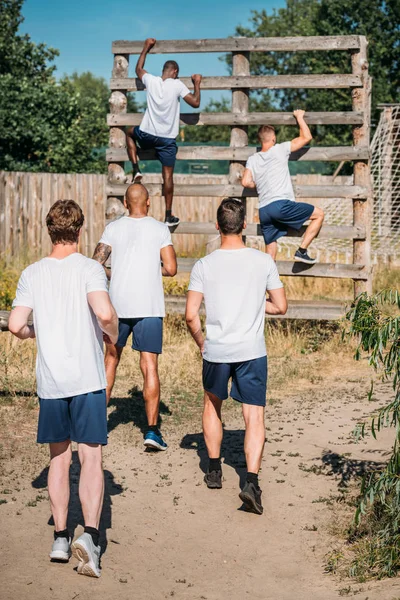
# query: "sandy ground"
[[164, 534]]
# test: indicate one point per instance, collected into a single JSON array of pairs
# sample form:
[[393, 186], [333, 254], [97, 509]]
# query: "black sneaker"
[[213, 479], [251, 498], [172, 221], [304, 258]]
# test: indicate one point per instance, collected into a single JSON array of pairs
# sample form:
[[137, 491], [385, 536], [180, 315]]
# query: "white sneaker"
[[84, 550], [61, 549]]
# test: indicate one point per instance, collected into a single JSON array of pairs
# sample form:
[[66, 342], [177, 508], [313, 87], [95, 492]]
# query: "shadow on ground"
[[232, 453], [75, 516], [347, 468], [131, 410]]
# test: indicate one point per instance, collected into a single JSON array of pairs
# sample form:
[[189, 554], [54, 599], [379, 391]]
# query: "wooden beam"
[[255, 118], [333, 153], [344, 232], [287, 267], [254, 82], [362, 211], [224, 190], [246, 44], [297, 309]]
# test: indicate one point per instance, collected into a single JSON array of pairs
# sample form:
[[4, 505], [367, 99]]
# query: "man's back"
[[162, 115], [271, 174], [136, 283], [69, 339], [234, 284]]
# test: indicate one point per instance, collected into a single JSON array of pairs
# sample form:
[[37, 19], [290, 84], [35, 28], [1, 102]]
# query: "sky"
[[82, 30]]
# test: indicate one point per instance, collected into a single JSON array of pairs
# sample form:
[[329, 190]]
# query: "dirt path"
[[167, 535]]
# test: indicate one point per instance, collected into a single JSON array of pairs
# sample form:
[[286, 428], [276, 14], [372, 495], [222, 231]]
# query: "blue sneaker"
[[154, 440]]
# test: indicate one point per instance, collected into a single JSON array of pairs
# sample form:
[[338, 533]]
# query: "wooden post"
[[240, 106], [118, 105], [362, 214]]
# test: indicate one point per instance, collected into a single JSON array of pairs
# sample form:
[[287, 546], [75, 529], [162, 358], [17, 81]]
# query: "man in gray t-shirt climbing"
[[268, 171]]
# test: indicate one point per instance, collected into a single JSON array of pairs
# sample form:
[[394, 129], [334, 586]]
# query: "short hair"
[[230, 216], [171, 64], [265, 132], [64, 221]]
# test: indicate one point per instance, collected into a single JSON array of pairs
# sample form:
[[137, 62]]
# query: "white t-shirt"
[[162, 114], [270, 171], [70, 358], [136, 288], [234, 285]]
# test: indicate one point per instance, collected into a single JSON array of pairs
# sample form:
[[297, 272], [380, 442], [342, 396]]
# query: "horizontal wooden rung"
[[255, 118], [253, 82], [288, 267], [343, 232], [334, 153], [237, 191], [234, 44]]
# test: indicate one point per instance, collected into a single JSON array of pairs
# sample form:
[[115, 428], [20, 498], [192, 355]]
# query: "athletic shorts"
[[249, 380], [165, 148], [280, 216], [81, 419], [147, 334]]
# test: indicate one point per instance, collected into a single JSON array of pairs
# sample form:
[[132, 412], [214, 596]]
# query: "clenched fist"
[[196, 79], [149, 43], [299, 114]]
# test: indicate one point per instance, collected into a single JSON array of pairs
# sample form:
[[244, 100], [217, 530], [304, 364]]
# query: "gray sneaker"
[[61, 550], [84, 550]]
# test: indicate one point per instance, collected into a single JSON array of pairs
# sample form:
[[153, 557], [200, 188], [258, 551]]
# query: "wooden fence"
[[240, 83]]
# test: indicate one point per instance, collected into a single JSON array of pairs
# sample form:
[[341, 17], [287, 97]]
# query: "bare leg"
[[58, 482], [272, 249], [254, 439], [168, 186], [91, 483], [317, 218], [131, 146], [111, 361], [212, 424], [151, 386]]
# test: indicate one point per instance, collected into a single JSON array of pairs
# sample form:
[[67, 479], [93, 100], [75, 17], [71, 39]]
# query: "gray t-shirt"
[[234, 285], [270, 171]]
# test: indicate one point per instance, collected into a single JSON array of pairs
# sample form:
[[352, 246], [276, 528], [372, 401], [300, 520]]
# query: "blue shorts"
[[82, 419], [249, 380], [147, 334], [280, 216], [165, 148]]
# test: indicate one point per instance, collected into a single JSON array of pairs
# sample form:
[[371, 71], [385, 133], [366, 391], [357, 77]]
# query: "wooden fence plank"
[[232, 44], [215, 190], [344, 232], [287, 267], [334, 153], [255, 118], [254, 82]]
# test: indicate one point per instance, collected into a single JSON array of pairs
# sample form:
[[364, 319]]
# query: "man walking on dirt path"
[[72, 312], [268, 171], [233, 282], [160, 124], [141, 252]]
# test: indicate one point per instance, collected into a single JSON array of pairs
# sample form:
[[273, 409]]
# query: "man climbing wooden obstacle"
[[160, 124], [268, 171]]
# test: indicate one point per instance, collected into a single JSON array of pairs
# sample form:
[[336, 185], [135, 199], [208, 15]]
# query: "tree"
[[47, 125], [378, 20], [375, 322]]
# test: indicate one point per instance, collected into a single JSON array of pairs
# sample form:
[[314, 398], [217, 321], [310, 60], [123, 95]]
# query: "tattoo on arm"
[[101, 253]]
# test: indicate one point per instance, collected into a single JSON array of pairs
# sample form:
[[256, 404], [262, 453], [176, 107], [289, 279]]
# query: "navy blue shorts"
[[249, 380], [82, 419], [165, 148], [147, 334], [280, 216]]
